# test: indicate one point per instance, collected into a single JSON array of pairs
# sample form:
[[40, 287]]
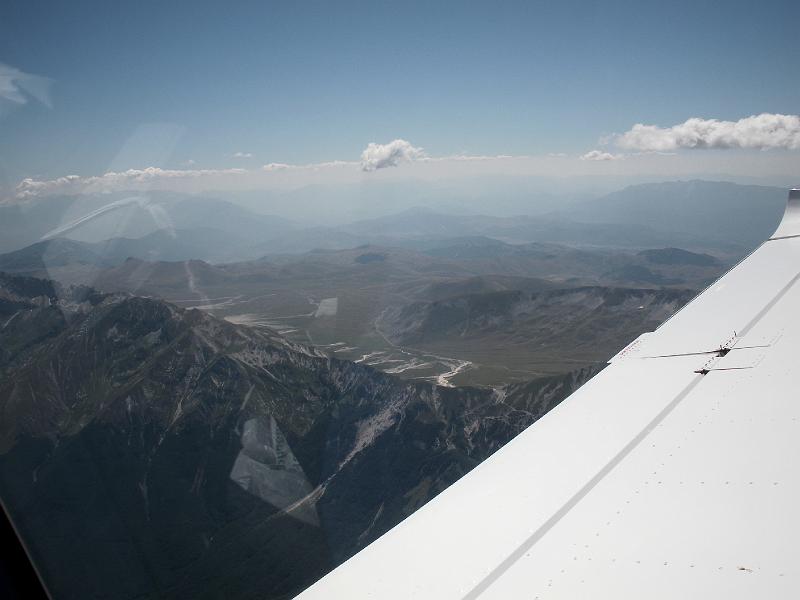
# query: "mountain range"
[[472, 291], [198, 458], [696, 215], [214, 402]]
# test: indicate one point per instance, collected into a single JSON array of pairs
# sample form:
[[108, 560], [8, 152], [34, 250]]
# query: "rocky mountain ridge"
[[197, 458]]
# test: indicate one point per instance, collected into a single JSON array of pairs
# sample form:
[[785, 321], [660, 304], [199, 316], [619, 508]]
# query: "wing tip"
[[790, 223]]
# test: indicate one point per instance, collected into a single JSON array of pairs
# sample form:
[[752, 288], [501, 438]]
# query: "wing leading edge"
[[671, 474]]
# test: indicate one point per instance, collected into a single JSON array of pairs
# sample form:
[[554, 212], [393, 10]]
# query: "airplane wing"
[[674, 473]]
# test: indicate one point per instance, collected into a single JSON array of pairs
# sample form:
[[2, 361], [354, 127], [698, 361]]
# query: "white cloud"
[[308, 167], [155, 178], [467, 157], [764, 131], [600, 155], [189, 162], [278, 167], [113, 181], [16, 87], [242, 155], [332, 163], [283, 176], [380, 156]]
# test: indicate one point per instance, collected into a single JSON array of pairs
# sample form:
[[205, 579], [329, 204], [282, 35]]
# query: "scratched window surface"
[[273, 276]]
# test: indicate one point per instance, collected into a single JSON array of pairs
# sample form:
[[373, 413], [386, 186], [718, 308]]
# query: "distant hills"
[[99, 217], [265, 270], [73, 261], [690, 214], [59, 252], [695, 215], [418, 227], [678, 256], [718, 212], [423, 313]]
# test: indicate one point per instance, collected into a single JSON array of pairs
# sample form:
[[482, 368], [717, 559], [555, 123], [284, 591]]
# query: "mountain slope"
[[97, 217], [196, 458], [540, 331], [48, 254], [678, 256], [711, 210]]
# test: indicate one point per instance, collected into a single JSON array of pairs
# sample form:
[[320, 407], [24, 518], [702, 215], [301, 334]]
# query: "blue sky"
[[304, 82]]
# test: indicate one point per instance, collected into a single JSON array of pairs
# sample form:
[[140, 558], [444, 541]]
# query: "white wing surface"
[[674, 473]]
